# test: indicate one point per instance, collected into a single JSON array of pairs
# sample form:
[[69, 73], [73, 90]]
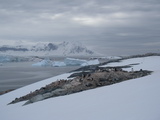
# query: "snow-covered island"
[[136, 99]]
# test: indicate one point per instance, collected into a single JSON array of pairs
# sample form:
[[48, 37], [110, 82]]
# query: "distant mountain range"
[[62, 49]]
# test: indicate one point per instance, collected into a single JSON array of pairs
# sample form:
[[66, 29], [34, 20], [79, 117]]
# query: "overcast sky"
[[113, 27]]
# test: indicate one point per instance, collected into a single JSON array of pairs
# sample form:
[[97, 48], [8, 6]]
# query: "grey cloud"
[[109, 25]]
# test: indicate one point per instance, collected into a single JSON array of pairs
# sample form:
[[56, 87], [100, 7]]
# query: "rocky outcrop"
[[4, 92], [80, 83]]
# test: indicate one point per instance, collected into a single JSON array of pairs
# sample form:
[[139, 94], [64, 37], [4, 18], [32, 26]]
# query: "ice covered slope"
[[136, 99]]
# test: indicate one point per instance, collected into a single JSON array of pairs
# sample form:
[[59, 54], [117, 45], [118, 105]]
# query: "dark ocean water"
[[16, 75]]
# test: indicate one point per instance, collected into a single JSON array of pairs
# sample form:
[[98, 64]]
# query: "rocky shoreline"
[[81, 82], [4, 92], [90, 77]]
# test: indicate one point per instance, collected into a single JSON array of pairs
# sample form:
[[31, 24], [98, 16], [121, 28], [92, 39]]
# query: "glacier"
[[43, 63], [10, 58]]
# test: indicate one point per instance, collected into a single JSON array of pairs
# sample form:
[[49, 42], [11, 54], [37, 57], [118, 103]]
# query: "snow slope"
[[136, 99]]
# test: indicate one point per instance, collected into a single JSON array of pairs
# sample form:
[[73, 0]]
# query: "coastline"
[[16, 75]]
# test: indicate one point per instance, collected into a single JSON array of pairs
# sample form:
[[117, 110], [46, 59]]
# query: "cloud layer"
[[110, 26]]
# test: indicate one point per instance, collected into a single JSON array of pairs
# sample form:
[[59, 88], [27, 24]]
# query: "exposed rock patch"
[[4, 92], [81, 81]]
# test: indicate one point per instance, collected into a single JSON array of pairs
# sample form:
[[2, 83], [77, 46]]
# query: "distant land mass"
[[41, 49]]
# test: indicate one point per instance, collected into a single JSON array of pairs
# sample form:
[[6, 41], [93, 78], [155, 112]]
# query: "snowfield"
[[136, 99]]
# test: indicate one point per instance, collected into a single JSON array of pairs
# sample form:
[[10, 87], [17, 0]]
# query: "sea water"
[[14, 75]]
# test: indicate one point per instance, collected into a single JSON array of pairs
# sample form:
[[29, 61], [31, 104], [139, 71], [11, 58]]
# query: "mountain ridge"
[[61, 49]]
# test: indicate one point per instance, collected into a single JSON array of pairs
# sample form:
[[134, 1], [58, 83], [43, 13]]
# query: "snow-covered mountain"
[[62, 49]]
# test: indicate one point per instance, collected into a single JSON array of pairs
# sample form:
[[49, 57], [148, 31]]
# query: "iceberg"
[[91, 62], [44, 63], [75, 62], [58, 64]]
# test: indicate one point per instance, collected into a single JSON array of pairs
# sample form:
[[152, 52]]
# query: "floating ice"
[[58, 64], [66, 62], [75, 62], [91, 62], [44, 63]]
